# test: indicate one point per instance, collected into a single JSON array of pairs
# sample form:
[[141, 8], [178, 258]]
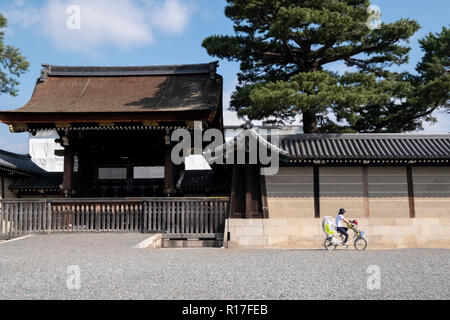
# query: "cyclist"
[[339, 225]]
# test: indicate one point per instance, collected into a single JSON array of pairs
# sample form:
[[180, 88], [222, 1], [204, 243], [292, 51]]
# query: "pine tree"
[[434, 72], [283, 47], [12, 63]]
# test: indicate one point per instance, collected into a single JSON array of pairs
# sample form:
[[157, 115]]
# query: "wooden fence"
[[174, 217]]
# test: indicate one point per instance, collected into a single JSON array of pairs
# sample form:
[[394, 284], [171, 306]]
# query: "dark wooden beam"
[[248, 192], [265, 205], [68, 171], [79, 117], [316, 192], [234, 194], [169, 185], [168, 175], [3, 187], [410, 181]]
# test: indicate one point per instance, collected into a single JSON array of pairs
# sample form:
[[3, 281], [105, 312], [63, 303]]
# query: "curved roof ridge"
[[105, 71]]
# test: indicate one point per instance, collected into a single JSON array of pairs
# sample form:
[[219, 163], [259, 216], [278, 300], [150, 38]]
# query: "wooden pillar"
[[130, 176], [264, 203], [3, 188], [248, 192], [234, 199], [365, 175], [169, 168], [410, 181], [68, 171], [253, 195], [316, 192], [168, 173]]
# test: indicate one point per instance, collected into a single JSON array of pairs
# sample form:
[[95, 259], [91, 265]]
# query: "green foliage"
[[436, 61], [433, 83], [284, 45], [12, 63], [413, 98]]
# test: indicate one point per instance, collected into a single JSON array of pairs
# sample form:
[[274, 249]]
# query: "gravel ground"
[[36, 268]]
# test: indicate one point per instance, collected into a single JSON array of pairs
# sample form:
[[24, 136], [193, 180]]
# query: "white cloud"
[[171, 17], [24, 16], [441, 126], [124, 24]]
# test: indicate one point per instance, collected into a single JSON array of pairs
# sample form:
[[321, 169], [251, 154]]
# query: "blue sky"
[[147, 32]]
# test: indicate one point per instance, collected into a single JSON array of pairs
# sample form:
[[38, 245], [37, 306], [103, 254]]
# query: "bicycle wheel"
[[328, 244], [360, 244]]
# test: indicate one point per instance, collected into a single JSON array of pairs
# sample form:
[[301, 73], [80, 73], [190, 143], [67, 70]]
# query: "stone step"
[[168, 243]]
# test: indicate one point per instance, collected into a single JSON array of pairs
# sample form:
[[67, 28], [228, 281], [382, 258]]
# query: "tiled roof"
[[65, 89], [18, 163], [50, 181], [240, 141], [367, 146]]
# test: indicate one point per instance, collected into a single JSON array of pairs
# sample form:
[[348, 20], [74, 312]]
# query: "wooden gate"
[[174, 217]]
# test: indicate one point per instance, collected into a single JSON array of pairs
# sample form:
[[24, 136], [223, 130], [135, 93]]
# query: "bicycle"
[[331, 242]]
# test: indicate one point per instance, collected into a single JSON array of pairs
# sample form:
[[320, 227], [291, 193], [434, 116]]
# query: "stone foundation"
[[383, 233]]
